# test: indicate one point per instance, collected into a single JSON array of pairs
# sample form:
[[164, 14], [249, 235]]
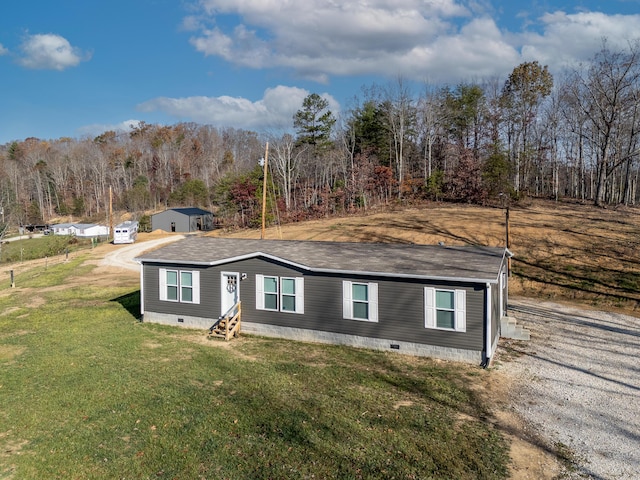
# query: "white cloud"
[[569, 38], [321, 37], [273, 112], [96, 129], [447, 40], [3, 50], [477, 51], [49, 52]]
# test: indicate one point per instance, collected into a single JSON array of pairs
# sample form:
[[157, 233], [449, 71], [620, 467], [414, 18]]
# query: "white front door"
[[229, 290]]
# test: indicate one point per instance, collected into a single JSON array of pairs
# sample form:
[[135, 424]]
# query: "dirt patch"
[[403, 403], [8, 448], [531, 458], [9, 352], [210, 385], [17, 333], [234, 345], [35, 302]]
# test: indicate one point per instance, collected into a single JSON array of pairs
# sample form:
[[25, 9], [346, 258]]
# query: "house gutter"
[[141, 289], [488, 345]]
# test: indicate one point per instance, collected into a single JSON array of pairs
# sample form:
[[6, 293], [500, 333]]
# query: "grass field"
[[87, 391], [26, 248]]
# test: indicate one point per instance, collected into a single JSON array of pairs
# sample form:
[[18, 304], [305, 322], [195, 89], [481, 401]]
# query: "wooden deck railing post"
[[231, 322]]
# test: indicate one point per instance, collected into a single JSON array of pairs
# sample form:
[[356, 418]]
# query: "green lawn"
[[40, 247], [89, 392]]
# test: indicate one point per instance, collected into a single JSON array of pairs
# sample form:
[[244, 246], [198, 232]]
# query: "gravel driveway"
[[123, 256], [579, 384]]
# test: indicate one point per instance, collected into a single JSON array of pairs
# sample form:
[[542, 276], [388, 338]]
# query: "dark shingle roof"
[[405, 260], [189, 211]]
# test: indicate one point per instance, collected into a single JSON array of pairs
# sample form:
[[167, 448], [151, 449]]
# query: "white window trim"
[[183, 287], [164, 285], [195, 285], [347, 301], [460, 310], [260, 293], [299, 295]]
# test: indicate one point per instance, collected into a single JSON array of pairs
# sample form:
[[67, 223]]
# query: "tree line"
[[485, 142]]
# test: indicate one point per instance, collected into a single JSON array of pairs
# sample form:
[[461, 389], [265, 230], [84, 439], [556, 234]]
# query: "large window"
[[280, 294], [179, 285], [360, 301], [445, 309]]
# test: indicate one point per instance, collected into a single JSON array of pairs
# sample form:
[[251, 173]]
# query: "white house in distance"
[[60, 228], [84, 230]]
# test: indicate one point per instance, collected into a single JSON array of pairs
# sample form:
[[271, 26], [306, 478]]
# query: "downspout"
[[141, 291], [488, 345]]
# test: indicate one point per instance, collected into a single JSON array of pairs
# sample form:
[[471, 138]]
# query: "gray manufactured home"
[[430, 300]]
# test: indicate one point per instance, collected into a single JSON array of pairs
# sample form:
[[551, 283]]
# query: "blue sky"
[[75, 68]]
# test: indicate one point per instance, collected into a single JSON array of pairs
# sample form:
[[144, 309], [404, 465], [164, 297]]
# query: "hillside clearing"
[[562, 251]]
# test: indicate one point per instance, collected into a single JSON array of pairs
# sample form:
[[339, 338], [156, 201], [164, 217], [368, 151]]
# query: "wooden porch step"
[[221, 329]]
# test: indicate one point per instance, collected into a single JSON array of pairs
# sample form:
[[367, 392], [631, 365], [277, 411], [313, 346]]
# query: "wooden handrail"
[[233, 317], [228, 333]]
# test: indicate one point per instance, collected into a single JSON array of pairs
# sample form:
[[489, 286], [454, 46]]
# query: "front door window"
[[229, 290]]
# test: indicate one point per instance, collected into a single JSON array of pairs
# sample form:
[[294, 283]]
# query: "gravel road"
[[124, 255], [579, 385]]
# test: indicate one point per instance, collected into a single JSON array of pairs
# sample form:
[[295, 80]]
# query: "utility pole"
[[506, 222], [506, 215], [264, 191], [109, 233], [504, 200]]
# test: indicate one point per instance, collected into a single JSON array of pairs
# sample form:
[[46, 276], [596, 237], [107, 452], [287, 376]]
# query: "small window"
[[360, 301], [288, 295], [285, 294], [172, 285], [360, 296], [186, 286], [445, 309], [271, 293]]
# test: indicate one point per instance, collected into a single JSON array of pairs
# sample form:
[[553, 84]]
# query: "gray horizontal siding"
[[400, 305], [209, 306]]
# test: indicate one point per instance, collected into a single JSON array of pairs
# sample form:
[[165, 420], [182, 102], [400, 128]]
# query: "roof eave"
[[437, 278]]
